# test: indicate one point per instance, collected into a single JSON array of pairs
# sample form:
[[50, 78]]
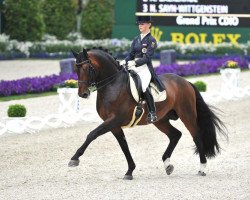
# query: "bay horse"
[[115, 106]]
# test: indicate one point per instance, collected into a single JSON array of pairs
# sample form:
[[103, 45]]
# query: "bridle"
[[91, 83], [91, 74]]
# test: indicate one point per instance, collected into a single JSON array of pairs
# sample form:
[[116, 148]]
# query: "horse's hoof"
[[128, 177], [200, 173], [169, 169], [73, 163]]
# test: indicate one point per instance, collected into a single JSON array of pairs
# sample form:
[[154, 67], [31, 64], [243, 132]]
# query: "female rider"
[[139, 60]]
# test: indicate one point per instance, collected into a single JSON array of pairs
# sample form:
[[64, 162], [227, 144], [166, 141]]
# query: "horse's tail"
[[208, 122]]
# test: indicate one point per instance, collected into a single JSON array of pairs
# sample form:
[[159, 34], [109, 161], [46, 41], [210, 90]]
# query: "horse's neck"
[[106, 70], [113, 91], [109, 77]]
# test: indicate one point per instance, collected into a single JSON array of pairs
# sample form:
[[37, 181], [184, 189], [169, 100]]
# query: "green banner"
[[213, 21]]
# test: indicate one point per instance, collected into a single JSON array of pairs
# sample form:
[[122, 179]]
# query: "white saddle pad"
[[158, 96]]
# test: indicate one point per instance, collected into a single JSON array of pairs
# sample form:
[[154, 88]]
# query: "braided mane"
[[102, 49], [107, 52]]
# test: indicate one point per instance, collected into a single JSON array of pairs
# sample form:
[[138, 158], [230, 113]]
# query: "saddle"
[[136, 88], [136, 91]]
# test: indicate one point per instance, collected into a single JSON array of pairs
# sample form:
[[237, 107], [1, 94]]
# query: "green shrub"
[[24, 21], [3, 46], [97, 19], [59, 48], [201, 86], [16, 110], [60, 17]]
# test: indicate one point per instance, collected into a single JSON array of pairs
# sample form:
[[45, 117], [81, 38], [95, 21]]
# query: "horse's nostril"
[[85, 95]]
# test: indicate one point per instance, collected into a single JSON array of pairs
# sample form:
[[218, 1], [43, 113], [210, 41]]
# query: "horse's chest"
[[105, 105]]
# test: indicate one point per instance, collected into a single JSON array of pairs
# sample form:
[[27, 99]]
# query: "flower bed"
[[48, 83], [205, 66], [50, 47], [33, 85]]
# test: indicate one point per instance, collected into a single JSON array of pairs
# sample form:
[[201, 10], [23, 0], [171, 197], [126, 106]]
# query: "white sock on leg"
[[166, 163], [203, 167]]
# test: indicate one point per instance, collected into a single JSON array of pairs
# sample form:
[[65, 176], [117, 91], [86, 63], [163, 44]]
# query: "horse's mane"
[[109, 54]]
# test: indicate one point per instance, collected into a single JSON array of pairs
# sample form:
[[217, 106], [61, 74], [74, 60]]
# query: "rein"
[[92, 84], [109, 79]]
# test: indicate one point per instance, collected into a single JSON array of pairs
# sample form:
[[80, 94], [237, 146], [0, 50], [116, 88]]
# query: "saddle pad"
[[158, 96]]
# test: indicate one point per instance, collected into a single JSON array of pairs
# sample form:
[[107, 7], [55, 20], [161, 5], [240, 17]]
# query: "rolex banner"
[[193, 21]]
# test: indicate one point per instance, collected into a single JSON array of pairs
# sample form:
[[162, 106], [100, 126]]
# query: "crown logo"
[[156, 33]]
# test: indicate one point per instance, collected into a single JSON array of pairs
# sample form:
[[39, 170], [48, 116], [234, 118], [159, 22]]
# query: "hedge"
[[97, 19], [59, 17], [24, 20], [50, 47]]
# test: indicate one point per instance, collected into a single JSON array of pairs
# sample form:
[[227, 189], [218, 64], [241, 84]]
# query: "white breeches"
[[144, 75]]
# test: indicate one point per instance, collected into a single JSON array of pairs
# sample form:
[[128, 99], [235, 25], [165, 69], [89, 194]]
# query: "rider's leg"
[[151, 106], [145, 77]]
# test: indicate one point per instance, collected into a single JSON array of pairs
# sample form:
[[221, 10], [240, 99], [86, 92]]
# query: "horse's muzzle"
[[85, 94]]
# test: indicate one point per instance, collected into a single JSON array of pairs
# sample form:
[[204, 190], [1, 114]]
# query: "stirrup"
[[151, 117]]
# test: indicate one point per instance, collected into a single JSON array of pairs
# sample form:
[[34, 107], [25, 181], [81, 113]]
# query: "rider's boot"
[[151, 106]]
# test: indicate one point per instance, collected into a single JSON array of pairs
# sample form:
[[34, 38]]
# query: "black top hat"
[[144, 19]]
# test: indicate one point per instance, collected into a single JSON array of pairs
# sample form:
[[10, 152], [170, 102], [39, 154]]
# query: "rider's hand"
[[131, 64], [123, 62]]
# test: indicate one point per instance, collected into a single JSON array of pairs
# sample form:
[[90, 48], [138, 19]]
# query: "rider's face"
[[144, 27]]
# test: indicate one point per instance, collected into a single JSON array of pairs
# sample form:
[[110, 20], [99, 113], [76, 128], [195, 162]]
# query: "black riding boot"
[[151, 106]]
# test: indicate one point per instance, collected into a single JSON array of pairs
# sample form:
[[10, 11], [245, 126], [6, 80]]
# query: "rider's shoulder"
[[152, 39], [136, 37]]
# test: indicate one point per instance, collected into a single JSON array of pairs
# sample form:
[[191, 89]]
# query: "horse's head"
[[85, 72]]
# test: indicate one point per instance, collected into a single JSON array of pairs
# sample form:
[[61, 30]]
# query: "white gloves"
[[123, 62], [131, 63]]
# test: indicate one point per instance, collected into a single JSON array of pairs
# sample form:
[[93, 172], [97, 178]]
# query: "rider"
[[139, 60]]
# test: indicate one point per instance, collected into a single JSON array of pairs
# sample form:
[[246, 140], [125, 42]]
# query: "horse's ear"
[[84, 51], [74, 53]]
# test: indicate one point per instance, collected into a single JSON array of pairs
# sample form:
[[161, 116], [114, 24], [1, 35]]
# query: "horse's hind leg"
[[190, 122], [119, 135], [203, 161], [174, 135]]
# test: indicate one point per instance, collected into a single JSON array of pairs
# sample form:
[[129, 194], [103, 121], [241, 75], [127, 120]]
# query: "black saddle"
[[137, 81]]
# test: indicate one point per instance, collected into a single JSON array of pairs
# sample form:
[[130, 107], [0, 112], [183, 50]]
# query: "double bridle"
[[91, 70], [91, 83]]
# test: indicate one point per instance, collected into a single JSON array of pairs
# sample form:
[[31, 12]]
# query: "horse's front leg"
[[105, 127], [119, 135]]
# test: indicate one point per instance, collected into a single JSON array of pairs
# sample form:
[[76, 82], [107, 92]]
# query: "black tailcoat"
[[143, 51]]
